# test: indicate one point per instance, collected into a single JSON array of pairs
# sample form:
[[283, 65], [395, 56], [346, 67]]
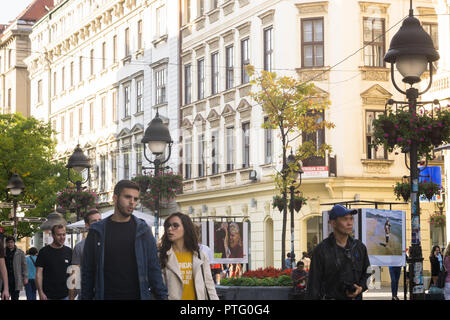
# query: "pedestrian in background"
[[437, 263], [120, 258], [16, 265], [447, 267], [51, 267], [394, 273], [89, 218], [306, 260], [299, 278], [3, 273], [185, 268], [30, 287]]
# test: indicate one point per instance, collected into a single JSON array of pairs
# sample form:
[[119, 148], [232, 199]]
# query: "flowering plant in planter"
[[427, 128], [426, 188], [299, 201], [278, 202], [71, 199], [267, 277], [437, 220], [164, 186]]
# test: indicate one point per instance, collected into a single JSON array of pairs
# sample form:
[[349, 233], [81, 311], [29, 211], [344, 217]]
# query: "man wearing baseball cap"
[[339, 263]]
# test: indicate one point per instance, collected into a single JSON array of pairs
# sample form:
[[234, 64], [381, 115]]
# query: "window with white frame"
[[161, 24], [230, 148], [139, 34], [246, 145], [138, 149], [373, 152], [229, 51], [139, 95], [214, 73], [245, 60], [215, 152], [187, 84], [188, 158], [201, 155], [268, 143], [374, 39], [160, 80], [200, 78], [126, 99], [268, 49], [312, 42]]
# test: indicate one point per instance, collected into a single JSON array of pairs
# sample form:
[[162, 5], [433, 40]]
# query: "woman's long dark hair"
[[433, 250], [190, 237]]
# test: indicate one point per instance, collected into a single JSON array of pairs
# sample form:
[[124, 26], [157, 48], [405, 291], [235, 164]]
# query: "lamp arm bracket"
[[393, 80], [430, 66]]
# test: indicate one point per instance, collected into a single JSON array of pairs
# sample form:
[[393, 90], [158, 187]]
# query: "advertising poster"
[[327, 229], [203, 232], [383, 233], [229, 241]]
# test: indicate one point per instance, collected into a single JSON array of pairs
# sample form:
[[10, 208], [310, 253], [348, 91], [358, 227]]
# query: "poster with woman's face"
[[229, 242], [383, 233]]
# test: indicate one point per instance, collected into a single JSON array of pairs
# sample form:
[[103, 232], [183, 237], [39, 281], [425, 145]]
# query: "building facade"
[[15, 46], [99, 71], [223, 141]]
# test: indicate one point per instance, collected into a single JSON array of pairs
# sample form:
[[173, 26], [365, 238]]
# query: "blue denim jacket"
[[149, 271]]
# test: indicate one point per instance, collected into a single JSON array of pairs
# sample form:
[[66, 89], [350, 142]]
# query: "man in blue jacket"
[[120, 260]]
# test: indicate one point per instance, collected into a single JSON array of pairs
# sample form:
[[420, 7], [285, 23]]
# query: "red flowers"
[[268, 272]]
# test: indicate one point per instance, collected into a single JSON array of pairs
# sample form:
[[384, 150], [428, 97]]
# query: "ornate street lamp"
[[295, 174], [78, 162], [157, 137], [412, 50], [15, 187]]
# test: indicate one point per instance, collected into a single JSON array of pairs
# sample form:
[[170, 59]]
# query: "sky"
[[11, 9]]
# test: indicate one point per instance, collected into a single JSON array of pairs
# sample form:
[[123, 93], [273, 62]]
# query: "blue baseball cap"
[[340, 211]]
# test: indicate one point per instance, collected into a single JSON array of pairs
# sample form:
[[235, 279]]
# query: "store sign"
[[315, 172]]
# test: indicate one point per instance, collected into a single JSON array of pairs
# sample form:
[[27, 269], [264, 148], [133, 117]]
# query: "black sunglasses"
[[174, 225]]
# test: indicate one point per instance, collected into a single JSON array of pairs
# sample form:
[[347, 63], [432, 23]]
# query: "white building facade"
[[99, 71], [339, 45]]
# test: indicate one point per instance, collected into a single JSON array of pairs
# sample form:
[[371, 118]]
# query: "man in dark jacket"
[[339, 263], [120, 260]]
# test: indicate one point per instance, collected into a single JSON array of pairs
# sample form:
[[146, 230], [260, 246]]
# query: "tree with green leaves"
[[293, 108], [27, 148]]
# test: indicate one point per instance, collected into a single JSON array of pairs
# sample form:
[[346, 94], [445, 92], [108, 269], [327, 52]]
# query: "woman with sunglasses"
[[185, 268]]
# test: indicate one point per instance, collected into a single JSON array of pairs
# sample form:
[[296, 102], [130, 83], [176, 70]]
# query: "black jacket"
[[326, 279]]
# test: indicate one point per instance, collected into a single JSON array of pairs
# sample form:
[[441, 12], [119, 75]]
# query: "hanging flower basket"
[[402, 190], [70, 199], [427, 189], [299, 201], [437, 220], [278, 202], [163, 187], [401, 128]]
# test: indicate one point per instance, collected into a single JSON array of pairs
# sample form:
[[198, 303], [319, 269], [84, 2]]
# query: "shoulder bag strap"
[[203, 274]]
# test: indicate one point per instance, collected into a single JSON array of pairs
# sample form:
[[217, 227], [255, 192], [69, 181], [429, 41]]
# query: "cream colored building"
[[99, 71], [339, 45], [15, 46]]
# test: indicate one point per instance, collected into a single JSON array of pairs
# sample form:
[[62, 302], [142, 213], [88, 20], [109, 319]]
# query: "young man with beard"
[[338, 269], [51, 267], [120, 260]]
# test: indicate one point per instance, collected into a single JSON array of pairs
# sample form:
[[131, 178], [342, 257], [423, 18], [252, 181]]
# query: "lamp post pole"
[[15, 217], [415, 251], [291, 208]]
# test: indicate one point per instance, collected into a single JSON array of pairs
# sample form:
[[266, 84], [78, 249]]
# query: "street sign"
[[6, 205], [27, 206], [7, 223], [32, 219]]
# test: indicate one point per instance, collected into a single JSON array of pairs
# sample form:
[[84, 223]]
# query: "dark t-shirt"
[[54, 263], [121, 270]]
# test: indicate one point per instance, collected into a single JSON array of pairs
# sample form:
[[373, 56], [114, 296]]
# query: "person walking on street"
[[306, 260], [51, 267], [447, 267], [30, 287], [437, 263], [186, 270], [89, 218], [3, 273], [339, 263], [394, 273], [299, 278], [17, 268], [120, 259]]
